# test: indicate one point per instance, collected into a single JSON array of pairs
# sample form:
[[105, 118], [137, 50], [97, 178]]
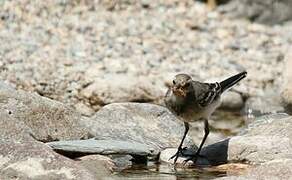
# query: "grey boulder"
[[47, 119], [144, 123]]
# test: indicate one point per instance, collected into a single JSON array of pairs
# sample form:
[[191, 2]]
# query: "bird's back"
[[196, 106], [189, 108]]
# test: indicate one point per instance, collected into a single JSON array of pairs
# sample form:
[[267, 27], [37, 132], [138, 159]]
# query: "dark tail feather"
[[228, 83]]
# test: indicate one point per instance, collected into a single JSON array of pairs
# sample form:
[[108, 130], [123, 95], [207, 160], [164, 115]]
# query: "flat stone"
[[104, 147]]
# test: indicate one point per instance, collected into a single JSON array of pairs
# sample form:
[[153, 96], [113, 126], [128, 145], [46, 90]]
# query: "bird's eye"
[[187, 84], [173, 82]]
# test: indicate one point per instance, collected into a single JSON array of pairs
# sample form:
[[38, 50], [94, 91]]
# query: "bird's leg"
[[179, 149], [195, 157]]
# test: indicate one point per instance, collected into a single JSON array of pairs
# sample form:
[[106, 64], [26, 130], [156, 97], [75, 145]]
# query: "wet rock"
[[34, 160], [122, 161], [232, 169], [105, 147], [286, 89], [275, 169], [148, 124], [47, 119], [267, 12], [99, 165]]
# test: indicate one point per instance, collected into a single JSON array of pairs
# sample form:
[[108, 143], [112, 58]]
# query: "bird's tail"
[[229, 82]]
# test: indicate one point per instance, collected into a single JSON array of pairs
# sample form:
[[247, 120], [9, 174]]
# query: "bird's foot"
[[193, 158], [178, 153]]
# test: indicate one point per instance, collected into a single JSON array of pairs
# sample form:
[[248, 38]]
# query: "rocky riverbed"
[[82, 86]]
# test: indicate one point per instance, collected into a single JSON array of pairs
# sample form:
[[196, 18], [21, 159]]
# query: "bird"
[[192, 100]]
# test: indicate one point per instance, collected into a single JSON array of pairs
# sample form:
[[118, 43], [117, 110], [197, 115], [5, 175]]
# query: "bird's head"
[[182, 85]]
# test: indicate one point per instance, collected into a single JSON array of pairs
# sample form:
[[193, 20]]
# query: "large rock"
[[138, 122], [98, 165], [22, 157], [268, 138], [34, 160], [48, 119], [267, 12]]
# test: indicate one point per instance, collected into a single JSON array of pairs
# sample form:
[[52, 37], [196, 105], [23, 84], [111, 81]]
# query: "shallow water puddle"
[[166, 171]]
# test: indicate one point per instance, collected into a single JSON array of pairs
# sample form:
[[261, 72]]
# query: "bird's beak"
[[178, 91]]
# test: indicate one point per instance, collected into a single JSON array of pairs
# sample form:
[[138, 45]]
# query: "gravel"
[[58, 48]]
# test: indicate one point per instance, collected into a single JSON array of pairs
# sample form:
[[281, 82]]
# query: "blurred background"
[[90, 53]]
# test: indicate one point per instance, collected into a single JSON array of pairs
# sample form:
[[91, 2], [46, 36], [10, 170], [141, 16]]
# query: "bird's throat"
[[178, 99]]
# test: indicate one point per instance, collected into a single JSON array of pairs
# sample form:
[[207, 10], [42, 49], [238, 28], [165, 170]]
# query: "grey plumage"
[[192, 100]]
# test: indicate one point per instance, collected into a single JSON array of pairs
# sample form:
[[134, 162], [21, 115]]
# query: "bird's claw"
[[194, 159], [176, 155]]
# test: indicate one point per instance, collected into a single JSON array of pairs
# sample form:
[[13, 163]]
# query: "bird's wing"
[[208, 94]]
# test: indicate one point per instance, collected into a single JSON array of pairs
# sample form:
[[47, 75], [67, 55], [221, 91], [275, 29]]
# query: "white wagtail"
[[192, 100]]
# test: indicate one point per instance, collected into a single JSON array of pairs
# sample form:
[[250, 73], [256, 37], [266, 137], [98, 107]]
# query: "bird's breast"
[[194, 112]]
